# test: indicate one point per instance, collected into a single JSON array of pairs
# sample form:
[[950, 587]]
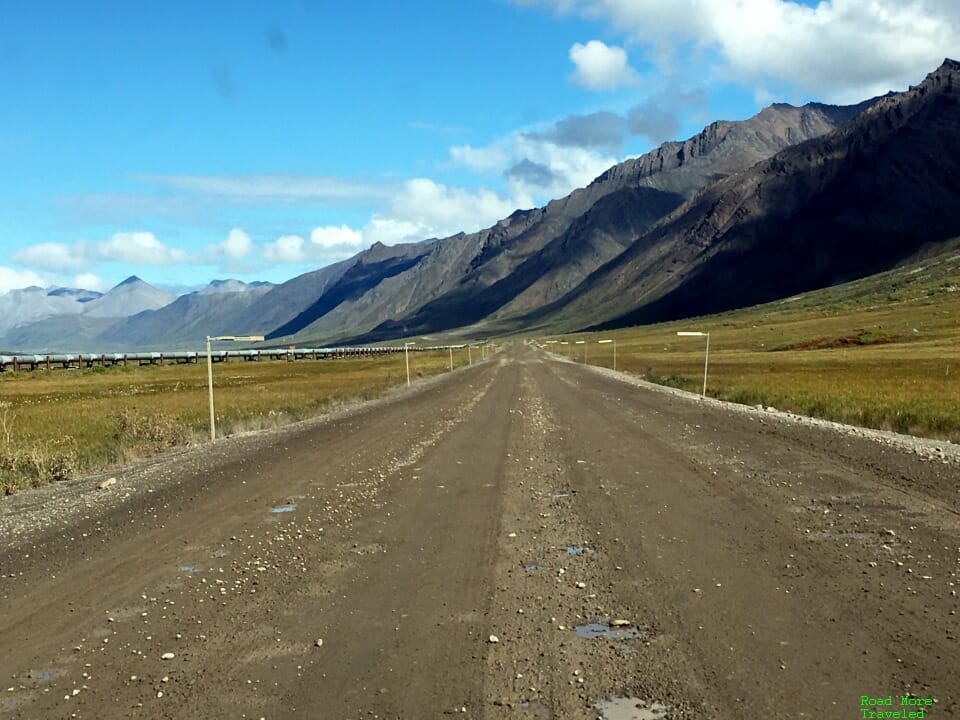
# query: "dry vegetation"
[[881, 352], [56, 424]]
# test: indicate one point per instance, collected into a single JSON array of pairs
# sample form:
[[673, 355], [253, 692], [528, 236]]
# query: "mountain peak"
[[128, 298], [232, 285], [943, 74]]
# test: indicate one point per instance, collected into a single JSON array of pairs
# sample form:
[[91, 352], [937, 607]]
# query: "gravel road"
[[526, 538]]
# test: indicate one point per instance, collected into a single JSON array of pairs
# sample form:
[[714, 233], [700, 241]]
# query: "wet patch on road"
[[861, 503], [607, 631], [847, 536], [119, 614], [632, 708], [535, 707], [46, 675], [284, 508], [534, 566], [370, 549], [189, 569], [10, 703]]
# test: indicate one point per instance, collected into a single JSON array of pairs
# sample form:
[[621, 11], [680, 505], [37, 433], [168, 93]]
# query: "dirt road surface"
[[434, 553]]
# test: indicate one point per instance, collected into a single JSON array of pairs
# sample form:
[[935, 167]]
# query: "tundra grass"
[[59, 423], [883, 352]]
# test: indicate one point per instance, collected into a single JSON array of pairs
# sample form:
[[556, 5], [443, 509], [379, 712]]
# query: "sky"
[[188, 141]]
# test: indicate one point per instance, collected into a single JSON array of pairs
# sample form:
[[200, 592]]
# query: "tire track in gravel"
[[761, 568], [782, 564], [94, 616], [556, 573]]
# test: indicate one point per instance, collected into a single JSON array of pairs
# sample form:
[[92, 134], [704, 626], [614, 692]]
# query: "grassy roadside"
[[883, 352], [57, 424]]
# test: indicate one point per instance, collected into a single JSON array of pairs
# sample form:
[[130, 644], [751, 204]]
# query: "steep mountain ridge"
[[230, 285], [35, 317], [789, 200], [727, 147], [131, 296], [534, 256], [834, 208], [32, 304]]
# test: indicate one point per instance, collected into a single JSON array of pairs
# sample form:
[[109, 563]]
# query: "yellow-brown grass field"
[[59, 423], [881, 352]]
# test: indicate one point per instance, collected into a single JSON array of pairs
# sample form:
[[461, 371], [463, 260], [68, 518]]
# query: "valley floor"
[[434, 553]]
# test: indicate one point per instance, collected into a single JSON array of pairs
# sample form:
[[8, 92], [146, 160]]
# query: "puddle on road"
[[631, 708], [532, 706], [284, 508], [556, 495], [533, 566], [576, 549], [120, 614], [48, 675], [220, 554], [860, 504], [189, 569], [593, 631], [847, 536], [369, 549]]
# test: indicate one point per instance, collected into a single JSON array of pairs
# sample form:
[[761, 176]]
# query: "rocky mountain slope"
[[80, 319], [520, 264], [30, 304], [846, 205], [535, 256], [744, 212], [38, 318], [131, 296]]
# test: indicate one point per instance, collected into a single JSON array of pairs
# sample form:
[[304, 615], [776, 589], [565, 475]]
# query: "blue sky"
[[185, 141]]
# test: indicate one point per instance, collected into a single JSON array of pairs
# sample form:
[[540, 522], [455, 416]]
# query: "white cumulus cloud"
[[423, 209], [600, 66], [51, 256], [336, 237], [836, 50], [285, 249], [326, 244], [134, 248], [138, 248], [11, 279], [89, 281], [390, 231], [544, 164], [420, 209], [237, 245], [483, 159]]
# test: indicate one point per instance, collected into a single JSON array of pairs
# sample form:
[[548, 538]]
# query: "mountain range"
[[792, 199]]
